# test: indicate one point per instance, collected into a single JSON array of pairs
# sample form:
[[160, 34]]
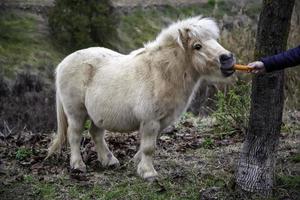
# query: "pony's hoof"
[[149, 176], [151, 179], [146, 173], [78, 166], [113, 162]]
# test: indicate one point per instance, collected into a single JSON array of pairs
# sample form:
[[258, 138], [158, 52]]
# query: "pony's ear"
[[183, 38]]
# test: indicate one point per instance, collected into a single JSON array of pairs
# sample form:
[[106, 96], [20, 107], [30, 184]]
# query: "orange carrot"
[[242, 67]]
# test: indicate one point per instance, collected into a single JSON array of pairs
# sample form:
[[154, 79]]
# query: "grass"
[[208, 143], [120, 186], [289, 181], [25, 43], [22, 153], [46, 190], [295, 158], [134, 189], [41, 188]]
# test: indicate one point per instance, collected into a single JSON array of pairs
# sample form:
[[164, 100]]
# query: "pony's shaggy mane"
[[200, 28]]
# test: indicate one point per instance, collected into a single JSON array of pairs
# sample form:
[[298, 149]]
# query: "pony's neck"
[[190, 81], [176, 69]]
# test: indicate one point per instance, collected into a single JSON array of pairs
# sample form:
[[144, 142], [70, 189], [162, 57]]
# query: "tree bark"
[[256, 165]]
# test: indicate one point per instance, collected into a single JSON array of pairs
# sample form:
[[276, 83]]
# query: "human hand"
[[258, 67]]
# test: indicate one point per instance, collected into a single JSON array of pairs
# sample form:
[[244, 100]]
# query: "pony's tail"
[[62, 126]]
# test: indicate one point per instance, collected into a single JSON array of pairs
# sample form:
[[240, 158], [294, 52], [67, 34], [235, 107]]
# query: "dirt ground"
[[193, 163]]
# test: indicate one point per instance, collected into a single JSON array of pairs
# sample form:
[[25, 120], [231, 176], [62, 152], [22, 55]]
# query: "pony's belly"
[[116, 121], [120, 126]]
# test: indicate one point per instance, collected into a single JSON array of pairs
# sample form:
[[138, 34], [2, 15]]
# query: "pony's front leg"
[[149, 132], [105, 156]]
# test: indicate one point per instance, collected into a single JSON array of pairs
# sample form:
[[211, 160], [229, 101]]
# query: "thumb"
[[252, 65]]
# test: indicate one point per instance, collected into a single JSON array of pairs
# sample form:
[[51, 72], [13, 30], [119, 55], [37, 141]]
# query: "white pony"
[[146, 90]]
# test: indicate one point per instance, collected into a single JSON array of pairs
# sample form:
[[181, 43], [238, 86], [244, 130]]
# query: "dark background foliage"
[[28, 104], [82, 23]]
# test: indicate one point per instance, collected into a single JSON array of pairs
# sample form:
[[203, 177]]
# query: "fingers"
[[253, 68], [258, 67], [255, 71], [252, 64]]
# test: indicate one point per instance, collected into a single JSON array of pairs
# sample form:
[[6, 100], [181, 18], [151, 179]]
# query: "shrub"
[[211, 2], [27, 103], [233, 108], [23, 153], [79, 24]]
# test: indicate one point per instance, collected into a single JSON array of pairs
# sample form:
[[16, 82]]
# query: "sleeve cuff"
[[267, 66]]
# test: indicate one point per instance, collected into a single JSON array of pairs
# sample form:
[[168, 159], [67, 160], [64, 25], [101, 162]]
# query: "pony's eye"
[[197, 46]]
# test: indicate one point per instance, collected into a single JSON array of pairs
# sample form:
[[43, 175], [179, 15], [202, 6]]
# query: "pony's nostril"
[[225, 57]]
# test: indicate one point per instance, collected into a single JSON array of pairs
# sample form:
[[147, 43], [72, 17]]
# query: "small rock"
[[165, 138], [179, 134]]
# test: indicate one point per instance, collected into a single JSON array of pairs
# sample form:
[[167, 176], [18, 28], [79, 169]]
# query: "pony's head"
[[196, 38]]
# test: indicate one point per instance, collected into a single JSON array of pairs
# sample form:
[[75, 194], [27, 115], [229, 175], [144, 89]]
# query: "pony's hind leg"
[[75, 127], [149, 132], [105, 156]]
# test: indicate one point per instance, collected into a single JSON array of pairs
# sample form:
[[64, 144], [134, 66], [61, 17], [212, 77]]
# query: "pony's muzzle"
[[227, 61]]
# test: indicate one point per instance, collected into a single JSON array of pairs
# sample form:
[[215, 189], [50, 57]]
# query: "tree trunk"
[[256, 165]]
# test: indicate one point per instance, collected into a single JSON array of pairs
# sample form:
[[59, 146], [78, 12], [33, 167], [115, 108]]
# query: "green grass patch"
[[46, 190], [120, 186], [87, 124], [23, 153], [214, 181], [25, 43], [208, 143], [289, 181], [41, 189], [295, 158], [136, 189]]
